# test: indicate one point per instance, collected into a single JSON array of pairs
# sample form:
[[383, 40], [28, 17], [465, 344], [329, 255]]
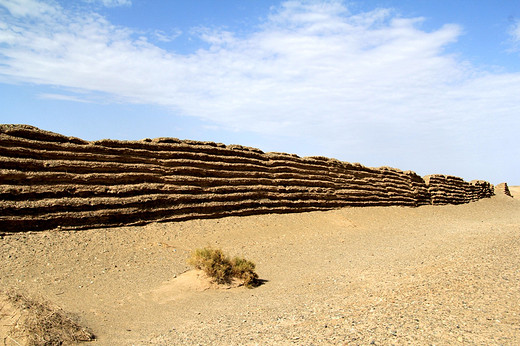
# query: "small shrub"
[[222, 269], [245, 270], [213, 262]]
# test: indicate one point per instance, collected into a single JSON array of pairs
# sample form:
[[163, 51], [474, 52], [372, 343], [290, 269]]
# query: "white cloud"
[[313, 71], [61, 97], [514, 33], [162, 36], [111, 3], [29, 8]]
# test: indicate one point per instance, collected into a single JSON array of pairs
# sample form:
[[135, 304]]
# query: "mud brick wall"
[[503, 189], [48, 180], [481, 189], [446, 189]]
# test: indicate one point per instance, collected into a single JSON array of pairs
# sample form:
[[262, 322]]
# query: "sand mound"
[[26, 321], [186, 283], [9, 319]]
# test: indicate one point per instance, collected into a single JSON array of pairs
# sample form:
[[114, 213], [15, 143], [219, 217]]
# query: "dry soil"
[[439, 275]]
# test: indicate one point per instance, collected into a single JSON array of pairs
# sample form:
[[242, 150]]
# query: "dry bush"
[[43, 324], [222, 269], [244, 270]]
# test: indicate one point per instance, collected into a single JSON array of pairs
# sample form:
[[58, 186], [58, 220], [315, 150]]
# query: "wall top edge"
[[30, 132]]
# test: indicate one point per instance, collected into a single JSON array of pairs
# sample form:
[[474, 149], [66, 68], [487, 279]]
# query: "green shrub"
[[244, 270], [222, 269]]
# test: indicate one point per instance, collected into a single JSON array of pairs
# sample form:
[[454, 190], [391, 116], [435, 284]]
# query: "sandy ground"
[[439, 275], [515, 191]]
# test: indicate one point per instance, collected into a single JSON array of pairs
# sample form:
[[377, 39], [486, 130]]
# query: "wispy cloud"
[[514, 33], [312, 70], [111, 3], [62, 97], [163, 36], [29, 8]]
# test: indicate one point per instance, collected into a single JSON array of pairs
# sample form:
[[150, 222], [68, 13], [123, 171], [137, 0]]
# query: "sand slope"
[[433, 274], [515, 191]]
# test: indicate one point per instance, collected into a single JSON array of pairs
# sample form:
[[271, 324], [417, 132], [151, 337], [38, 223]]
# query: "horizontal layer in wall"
[[48, 180]]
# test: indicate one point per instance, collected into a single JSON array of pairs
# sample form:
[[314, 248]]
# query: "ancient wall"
[[503, 189], [48, 180], [446, 189]]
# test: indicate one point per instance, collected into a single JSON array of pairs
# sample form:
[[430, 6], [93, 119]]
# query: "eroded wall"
[[48, 180], [446, 189], [503, 189]]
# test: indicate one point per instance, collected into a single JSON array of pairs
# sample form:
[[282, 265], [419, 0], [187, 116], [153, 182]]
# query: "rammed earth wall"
[[502, 188], [446, 189], [48, 180]]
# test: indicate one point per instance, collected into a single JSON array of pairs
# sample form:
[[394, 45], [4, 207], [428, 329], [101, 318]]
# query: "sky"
[[431, 86]]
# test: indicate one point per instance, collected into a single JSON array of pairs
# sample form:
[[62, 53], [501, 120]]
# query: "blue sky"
[[428, 86]]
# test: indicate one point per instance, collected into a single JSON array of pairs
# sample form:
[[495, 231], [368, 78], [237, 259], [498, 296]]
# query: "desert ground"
[[438, 275], [515, 191]]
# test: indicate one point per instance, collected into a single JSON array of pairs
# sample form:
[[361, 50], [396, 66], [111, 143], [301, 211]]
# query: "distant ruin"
[[48, 181], [502, 188]]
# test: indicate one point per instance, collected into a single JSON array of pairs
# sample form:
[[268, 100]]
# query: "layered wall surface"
[[502, 188], [48, 180], [446, 189]]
